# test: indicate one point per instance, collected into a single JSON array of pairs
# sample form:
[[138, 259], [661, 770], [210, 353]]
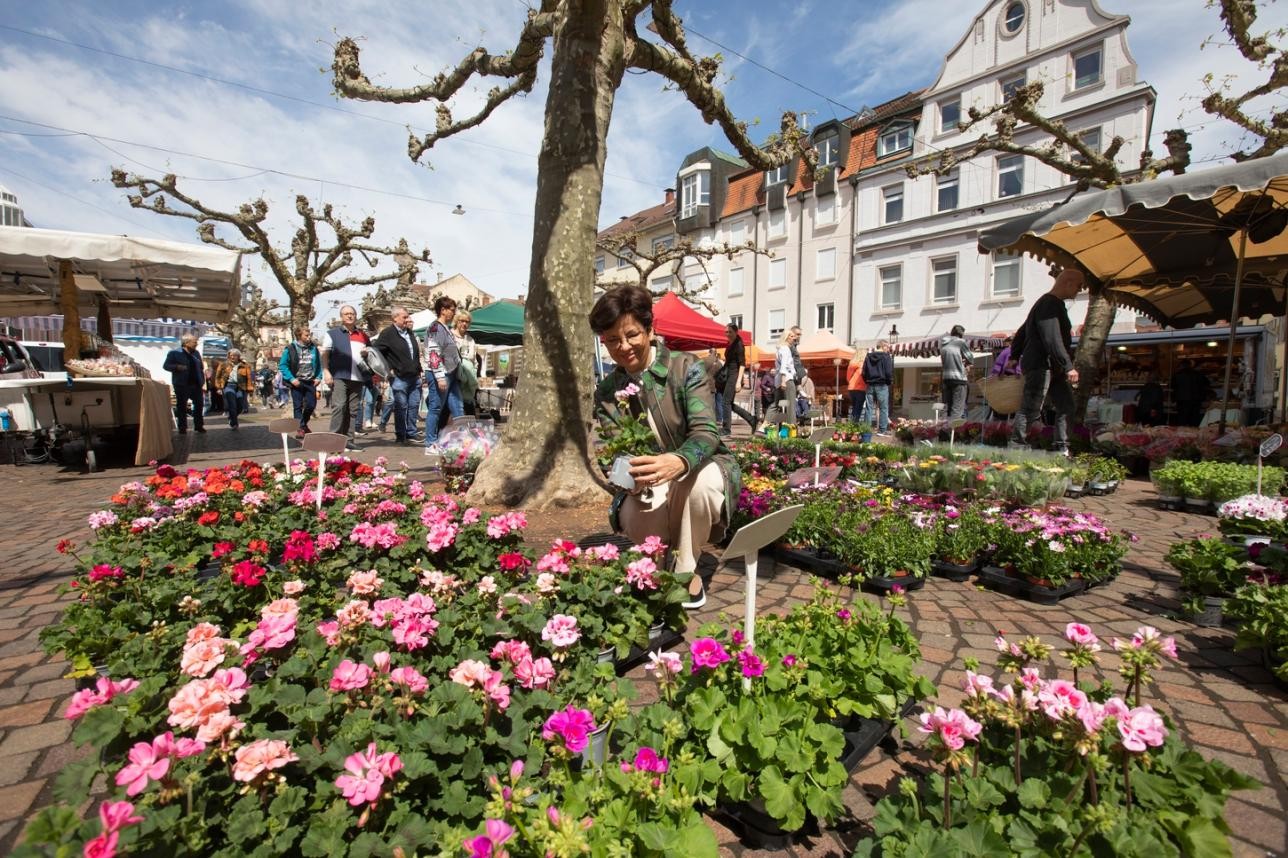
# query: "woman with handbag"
[[467, 372], [442, 360], [233, 379]]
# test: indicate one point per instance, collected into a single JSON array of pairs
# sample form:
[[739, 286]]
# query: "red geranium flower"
[[513, 561], [258, 546], [248, 573], [220, 549], [65, 546], [210, 516]]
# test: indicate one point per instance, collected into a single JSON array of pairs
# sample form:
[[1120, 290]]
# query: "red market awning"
[[685, 329]]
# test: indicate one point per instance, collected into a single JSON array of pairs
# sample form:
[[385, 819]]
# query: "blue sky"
[[283, 132]]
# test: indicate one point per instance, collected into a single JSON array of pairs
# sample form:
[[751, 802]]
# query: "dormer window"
[[1086, 68], [1013, 18], [695, 191], [829, 148], [894, 139], [776, 176]]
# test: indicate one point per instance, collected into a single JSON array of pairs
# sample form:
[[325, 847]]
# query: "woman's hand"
[[650, 471]]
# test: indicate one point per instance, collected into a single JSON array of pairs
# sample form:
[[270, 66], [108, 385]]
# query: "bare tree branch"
[[695, 78], [1238, 17], [625, 246], [309, 268], [248, 320]]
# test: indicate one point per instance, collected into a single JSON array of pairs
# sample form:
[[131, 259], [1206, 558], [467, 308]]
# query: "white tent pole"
[[1234, 327], [321, 473]]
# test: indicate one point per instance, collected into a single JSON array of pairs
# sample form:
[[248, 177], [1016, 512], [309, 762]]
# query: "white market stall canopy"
[[141, 278]]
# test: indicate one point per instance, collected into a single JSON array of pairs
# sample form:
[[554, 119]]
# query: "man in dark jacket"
[[1045, 347], [735, 360], [398, 345], [188, 378], [878, 374]]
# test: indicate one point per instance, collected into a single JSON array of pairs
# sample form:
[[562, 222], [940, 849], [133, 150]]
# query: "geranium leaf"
[[1034, 793], [780, 799]]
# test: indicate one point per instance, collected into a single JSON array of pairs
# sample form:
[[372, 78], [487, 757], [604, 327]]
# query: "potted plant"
[[1042, 766], [1211, 570], [886, 548], [1261, 609], [864, 430], [1253, 518], [960, 539], [1167, 483]]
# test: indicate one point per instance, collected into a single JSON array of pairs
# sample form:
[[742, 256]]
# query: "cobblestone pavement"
[[1223, 702]]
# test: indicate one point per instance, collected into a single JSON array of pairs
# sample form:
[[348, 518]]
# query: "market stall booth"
[[1200, 248], [104, 393]]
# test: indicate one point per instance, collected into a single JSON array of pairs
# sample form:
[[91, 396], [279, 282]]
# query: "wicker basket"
[[1004, 393]]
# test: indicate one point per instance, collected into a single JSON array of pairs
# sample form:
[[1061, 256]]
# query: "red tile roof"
[[641, 221]]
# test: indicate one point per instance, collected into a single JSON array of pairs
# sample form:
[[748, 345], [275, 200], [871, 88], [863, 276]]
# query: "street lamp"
[[894, 334]]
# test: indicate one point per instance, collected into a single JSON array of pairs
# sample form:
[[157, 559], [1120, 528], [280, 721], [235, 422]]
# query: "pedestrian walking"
[[1043, 347], [345, 371], [734, 364], [788, 372], [301, 367], [233, 379], [955, 359], [442, 378], [398, 345], [856, 386], [188, 378], [878, 374]]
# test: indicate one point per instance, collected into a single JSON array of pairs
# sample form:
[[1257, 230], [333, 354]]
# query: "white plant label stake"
[[1268, 446], [747, 543], [819, 436]]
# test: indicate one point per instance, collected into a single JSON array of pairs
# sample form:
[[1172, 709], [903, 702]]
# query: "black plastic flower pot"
[[883, 584], [953, 571]]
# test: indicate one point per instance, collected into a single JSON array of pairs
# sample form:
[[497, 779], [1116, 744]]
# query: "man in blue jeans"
[[188, 378], [398, 345], [301, 366], [878, 374], [442, 359], [1044, 350]]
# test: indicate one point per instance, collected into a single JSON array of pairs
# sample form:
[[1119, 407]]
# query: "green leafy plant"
[[1262, 612], [1209, 566]]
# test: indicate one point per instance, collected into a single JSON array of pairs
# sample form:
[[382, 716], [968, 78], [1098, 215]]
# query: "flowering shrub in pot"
[[878, 543], [1254, 515], [961, 536], [1035, 766], [1053, 546]]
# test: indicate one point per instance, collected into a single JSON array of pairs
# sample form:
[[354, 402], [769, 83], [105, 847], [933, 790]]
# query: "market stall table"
[[94, 405]]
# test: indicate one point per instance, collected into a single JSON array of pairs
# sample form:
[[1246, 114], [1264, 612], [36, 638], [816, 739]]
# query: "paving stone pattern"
[[1225, 703]]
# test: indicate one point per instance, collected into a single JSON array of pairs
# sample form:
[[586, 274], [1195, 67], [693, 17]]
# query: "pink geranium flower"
[[350, 676], [570, 725], [151, 761], [1080, 635], [1059, 698], [561, 631], [639, 574], [647, 760], [954, 727], [409, 678], [102, 846], [103, 692], [707, 652], [115, 815], [487, 845], [751, 664], [365, 583], [534, 673], [367, 773], [259, 757], [1142, 728]]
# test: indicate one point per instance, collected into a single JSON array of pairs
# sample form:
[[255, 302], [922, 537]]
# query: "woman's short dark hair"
[[957, 331], [615, 303], [443, 302]]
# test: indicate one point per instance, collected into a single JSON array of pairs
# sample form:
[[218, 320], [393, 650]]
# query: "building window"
[[695, 190], [826, 317], [950, 115], [1086, 68], [825, 210], [777, 273], [891, 296], [944, 288], [1010, 175], [893, 204], [776, 176], [1006, 275], [735, 282], [825, 264], [736, 321], [778, 223], [829, 149], [894, 139], [946, 192], [663, 244], [624, 257], [696, 283], [1014, 18], [1010, 85], [777, 324], [1090, 139], [599, 265], [738, 233], [661, 284]]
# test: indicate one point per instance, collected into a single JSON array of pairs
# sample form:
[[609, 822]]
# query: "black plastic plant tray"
[[997, 579]]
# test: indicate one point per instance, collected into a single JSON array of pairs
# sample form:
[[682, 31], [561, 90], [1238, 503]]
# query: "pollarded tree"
[[248, 320], [314, 264], [545, 457]]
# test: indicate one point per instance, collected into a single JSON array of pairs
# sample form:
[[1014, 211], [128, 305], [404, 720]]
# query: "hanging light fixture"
[[459, 210]]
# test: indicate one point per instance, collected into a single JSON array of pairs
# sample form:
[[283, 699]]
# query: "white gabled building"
[[862, 250]]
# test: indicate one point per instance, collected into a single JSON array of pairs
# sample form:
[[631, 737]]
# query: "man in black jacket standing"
[[1044, 347], [398, 346], [735, 360]]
